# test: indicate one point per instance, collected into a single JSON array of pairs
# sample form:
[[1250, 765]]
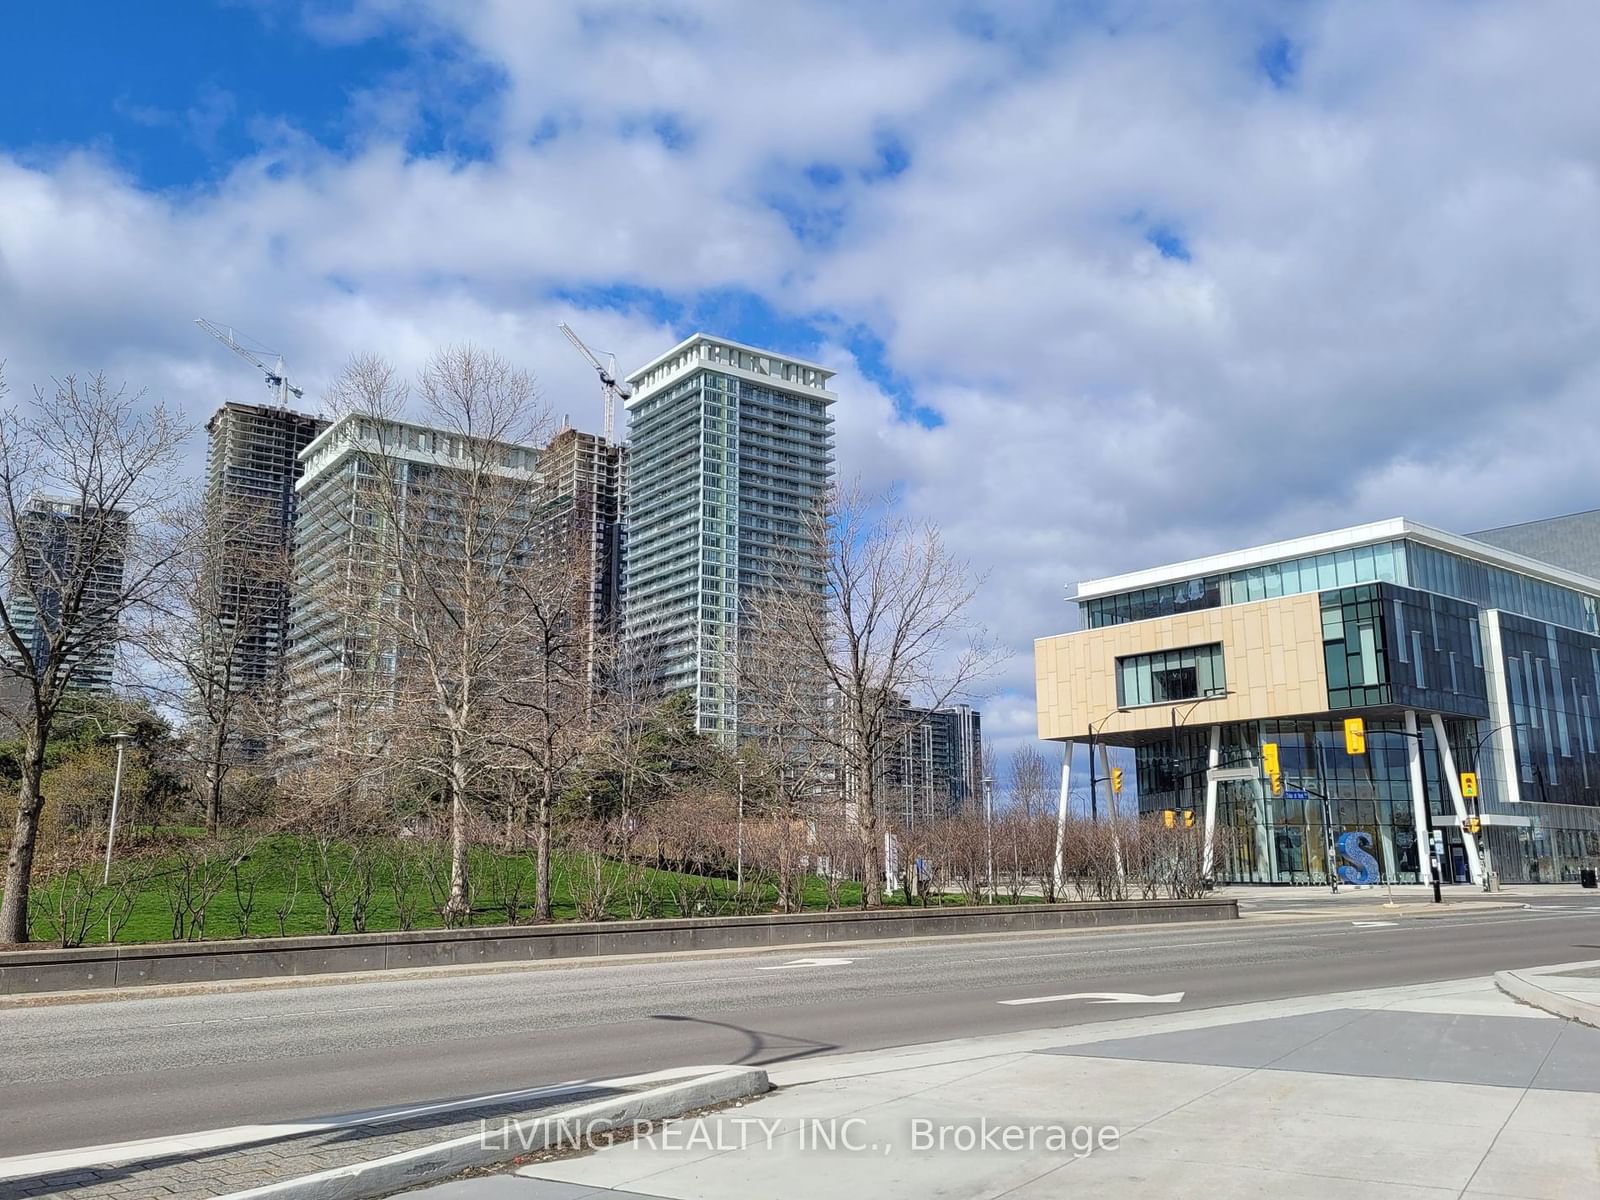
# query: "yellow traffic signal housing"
[[1269, 757], [1473, 826], [1469, 785], [1116, 779], [1188, 818], [1277, 784], [1355, 735], [1169, 818]]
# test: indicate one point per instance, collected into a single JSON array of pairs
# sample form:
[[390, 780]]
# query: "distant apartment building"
[[252, 466], [731, 449], [68, 554], [583, 482], [358, 475], [934, 768]]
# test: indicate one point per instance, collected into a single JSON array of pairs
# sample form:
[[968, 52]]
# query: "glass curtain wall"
[[1407, 563], [1284, 839]]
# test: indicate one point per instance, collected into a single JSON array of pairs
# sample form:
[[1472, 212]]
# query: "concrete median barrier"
[[88, 968]]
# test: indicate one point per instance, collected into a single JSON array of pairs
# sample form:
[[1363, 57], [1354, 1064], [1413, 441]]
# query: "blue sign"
[[1296, 794], [1359, 866]]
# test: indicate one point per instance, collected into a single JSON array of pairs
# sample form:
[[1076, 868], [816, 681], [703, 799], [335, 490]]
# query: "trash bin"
[[1589, 877]]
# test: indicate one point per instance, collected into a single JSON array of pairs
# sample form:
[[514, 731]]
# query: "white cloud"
[[1391, 302]]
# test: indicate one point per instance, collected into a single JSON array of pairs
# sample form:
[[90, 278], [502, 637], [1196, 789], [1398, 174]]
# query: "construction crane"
[[276, 379], [611, 387]]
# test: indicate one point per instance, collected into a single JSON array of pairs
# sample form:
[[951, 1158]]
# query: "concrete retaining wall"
[[88, 967]]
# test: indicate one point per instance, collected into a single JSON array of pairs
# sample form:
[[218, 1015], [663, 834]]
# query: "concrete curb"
[[679, 1091], [1519, 986]]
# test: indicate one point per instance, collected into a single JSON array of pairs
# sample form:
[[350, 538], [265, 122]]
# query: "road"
[[84, 1074]]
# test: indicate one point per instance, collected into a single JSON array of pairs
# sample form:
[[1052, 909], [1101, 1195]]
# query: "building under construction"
[[583, 477], [252, 465]]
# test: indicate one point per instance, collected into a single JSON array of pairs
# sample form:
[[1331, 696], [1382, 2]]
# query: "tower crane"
[[276, 379], [610, 386]]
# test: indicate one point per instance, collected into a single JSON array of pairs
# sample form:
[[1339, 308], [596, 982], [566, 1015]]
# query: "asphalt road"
[[84, 1074]]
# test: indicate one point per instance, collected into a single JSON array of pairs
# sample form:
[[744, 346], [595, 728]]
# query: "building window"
[[1168, 676]]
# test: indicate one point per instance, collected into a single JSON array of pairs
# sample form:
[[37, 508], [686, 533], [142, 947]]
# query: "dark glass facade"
[[1553, 681], [1388, 645], [1495, 587]]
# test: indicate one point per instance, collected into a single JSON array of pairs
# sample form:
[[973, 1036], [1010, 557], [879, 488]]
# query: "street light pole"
[[1477, 801], [1327, 812], [739, 869], [1094, 790], [121, 739], [988, 829]]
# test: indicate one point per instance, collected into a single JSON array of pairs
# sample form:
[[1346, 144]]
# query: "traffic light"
[[1472, 825], [1269, 757], [1188, 818], [1277, 784], [1169, 818], [1355, 735], [1116, 779], [1469, 785]]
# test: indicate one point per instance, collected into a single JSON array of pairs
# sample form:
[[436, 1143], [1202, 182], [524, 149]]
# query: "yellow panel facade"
[[1271, 655]]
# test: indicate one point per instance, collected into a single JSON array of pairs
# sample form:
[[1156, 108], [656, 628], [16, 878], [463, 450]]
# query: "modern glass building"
[[731, 448], [1460, 657], [68, 554], [371, 488]]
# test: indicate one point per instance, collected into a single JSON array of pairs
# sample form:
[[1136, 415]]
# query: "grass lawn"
[[275, 891]]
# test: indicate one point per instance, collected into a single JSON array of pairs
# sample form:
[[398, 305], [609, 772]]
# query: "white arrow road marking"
[[809, 962], [1371, 924], [1103, 998]]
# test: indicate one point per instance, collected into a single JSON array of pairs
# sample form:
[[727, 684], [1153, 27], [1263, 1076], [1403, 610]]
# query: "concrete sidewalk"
[[1447, 1090], [371, 1153]]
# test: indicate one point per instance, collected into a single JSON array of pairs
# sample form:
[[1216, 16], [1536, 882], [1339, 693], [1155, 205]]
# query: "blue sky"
[[1107, 283]]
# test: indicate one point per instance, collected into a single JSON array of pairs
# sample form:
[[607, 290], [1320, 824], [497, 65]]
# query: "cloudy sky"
[[1107, 283]]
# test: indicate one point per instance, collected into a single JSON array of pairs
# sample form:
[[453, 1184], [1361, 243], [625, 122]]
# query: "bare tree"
[[874, 606], [1029, 790], [547, 724], [626, 709], [83, 474], [439, 541], [228, 576]]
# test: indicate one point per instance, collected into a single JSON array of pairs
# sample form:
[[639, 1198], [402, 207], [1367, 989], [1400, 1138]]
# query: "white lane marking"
[[809, 962], [1103, 998], [1373, 924]]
